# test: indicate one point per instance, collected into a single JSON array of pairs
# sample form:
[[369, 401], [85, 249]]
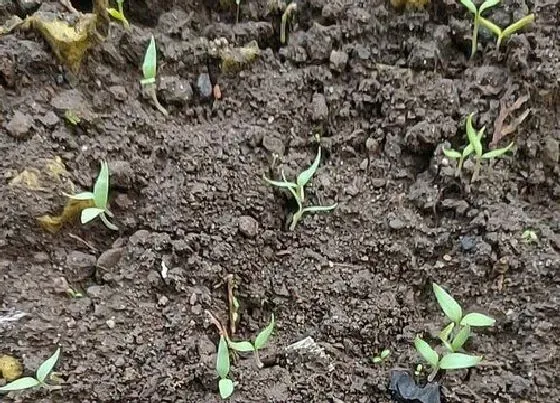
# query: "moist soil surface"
[[384, 89]]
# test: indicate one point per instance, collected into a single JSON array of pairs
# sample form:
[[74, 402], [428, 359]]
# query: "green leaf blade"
[[315, 209], [427, 352], [225, 386], [89, 214], [444, 334], [101, 188], [516, 26], [241, 346], [150, 60], [450, 307], [461, 338], [474, 140], [306, 175], [477, 320], [222, 360], [470, 5], [83, 196], [451, 153], [20, 384], [262, 337], [488, 4], [46, 367], [497, 152], [283, 184], [459, 361]]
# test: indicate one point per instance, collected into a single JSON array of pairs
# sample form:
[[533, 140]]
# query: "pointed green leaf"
[[83, 196], [467, 151], [470, 5], [474, 140], [487, 4], [241, 346], [450, 153], [89, 214], [450, 307], [149, 65], [498, 152], [314, 209], [516, 26], [444, 334], [106, 221], [461, 338], [46, 367], [459, 361], [477, 319], [115, 14], [426, 351], [496, 30], [225, 386], [20, 384], [306, 175], [262, 337], [222, 361], [279, 184], [101, 188]]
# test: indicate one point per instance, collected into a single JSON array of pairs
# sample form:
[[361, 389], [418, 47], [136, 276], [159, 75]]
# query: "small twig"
[[500, 130], [77, 238], [218, 324], [232, 306]]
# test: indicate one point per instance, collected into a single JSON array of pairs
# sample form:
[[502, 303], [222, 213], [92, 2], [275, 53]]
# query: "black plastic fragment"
[[404, 389]]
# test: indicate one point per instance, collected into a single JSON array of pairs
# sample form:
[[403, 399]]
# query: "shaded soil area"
[[384, 89]]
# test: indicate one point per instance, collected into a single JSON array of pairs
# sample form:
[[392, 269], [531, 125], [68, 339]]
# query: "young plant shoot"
[[453, 336], [225, 385], [149, 70], [298, 192], [476, 19], [99, 196], [40, 376], [118, 13], [475, 145], [288, 14], [237, 2], [509, 30], [260, 342]]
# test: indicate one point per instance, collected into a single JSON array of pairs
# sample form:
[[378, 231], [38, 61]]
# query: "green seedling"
[[476, 19], [149, 68], [382, 356], [237, 2], [260, 342], [118, 13], [225, 385], [297, 191], [508, 31], [453, 336], [99, 196], [529, 236], [475, 145], [40, 376], [288, 14]]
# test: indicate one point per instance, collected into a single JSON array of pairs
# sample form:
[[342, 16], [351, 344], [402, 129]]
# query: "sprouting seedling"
[[382, 356], [298, 192], [453, 336], [225, 385], [529, 236], [238, 2], [149, 69], [467, 150], [509, 30], [118, 13], [99, 196], [260, 342], [476, 16], [288, 13], [40, 376]]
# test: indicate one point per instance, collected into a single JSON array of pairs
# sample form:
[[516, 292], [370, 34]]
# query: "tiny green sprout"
[[71, 117], [297, 191], [476, 16], [40, 376], [288, 14], [99, 196], [118, 13], [260, 342], [149, 69], [459, 156], [238, 2], [225, 385], [529, 236], [509, 30], [382, 356]]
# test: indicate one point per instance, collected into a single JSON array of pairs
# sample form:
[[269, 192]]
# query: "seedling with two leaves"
[[149, 68], [118, 13], [40, 376], [479, 20], [475, 145], [99, 196], [453, 336], [297, 190]]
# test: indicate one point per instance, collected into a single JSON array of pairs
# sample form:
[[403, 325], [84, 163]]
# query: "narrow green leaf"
[[459, 361], [516, 26], [226, 387], [89, 214], [20, 384], [450, 153], [444, 334], [496, 30], [470, 5], [474, 140], [314, 209], [108, 224], [222, 361], [450, 307], [46, 367], [467, 151], [426, 351], [262, 337], [487, 4], [115, 14], [306, 175], [83, 196], [498, 152], [461, 338], [149, 65], [101, 188], [241, 346], [477, 320], [279, 184]]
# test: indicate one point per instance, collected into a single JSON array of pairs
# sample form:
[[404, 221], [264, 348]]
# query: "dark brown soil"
[[384, 88]]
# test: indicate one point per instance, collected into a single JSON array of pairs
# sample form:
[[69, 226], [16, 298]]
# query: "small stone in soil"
[[20, 125], [467, 243], [404, 389], [396, 224], [204, 86], [248, 226], [319, 110]]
